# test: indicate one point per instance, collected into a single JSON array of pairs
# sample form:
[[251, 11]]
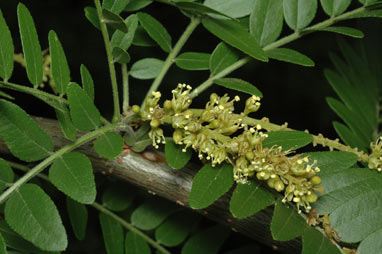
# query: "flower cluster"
[[375, 157]]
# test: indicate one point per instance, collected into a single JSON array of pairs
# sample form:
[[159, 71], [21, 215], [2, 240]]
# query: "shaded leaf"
[[147, 68], [299, 13], [115, 6], [288, 139], [209, 184], [135, 5], [92, 16], [367, 14], [33, 215], [348, 31], [6, 50], [109, 145], [24, 138], [142, 39], [130, 137], [290, 56], [175, 157], [348, 137], [234, 9], [31, 45], [248, 199], [198, 9], [371, 244], [3, 247], [367, 2], [120, 55], [6, 174], [87, 82], [313, 240], [235, 35], [78, 216], [193, 61], [335, 7], [66, 124], [112, 234], [134, 244], [114, 20], [222, 57], [118, 197], [239, 85], [124, 40]]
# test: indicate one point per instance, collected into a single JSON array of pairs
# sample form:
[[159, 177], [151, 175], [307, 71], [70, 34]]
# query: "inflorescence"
[[375, 157]]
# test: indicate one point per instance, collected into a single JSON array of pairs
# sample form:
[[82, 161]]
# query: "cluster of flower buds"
[[375, 157]]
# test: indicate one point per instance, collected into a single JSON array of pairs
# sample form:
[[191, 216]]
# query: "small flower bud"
[[167, 105], [136, 109], [315, 180], [311, 198], [250, 156], [177, 136], [279, 185], [154, 123]]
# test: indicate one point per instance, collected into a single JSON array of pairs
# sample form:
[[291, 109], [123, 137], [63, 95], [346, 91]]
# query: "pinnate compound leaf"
[[24, 138], [147, 68], [239, 85], [92, 16], [152, 213], [348, 137], [134, 244], [198, 9], [222, 57], [114, 20], [315, 242], [299, 13], [234, 9], [78, 215], [290, 56], [232, 33], [73, 175], [209, 184], [156, 30], [59, 65], [109, 145], [85, 115], [193, 61], [6, 174], [31, 45], [286, 223], [248, 199], [112, 234], [288, 139], [66, 124], [335, 7], [175, 157], [135, 5], [266, 21], [348, 31], [115, 6], [33, 215], [124, 40], [87, 82], [208, 241], [6, 50], [118, 197]]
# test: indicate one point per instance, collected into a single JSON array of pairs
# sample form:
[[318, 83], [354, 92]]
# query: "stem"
[[173, 53], [131, 228], [110, 62], [125, 85], [45, 163]]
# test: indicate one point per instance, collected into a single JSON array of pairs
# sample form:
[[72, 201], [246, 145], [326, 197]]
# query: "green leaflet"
[[335, 7], [152, 213], [348, 137], [209, 184], [118, 197], [193, 61], [239, 85], [6, 50], [156, 30], [134, 244], [31, 45], [135, 5], [33, 215], [208, 241], [109, 145], [314, 241], [124, 40], [175, 157], [232, 33], [286, 223], [288, 139], [198, 9], [366, 2], [234, 9], [67, 127], [87, 82], [6, 175], [348, 31], [248, 199], [85, 115], [290, 56], [115, 6], [142, 39], [112, 234], [266, 21], [175, 229], [92, 16], [78, 216], [3, 247], [114, 20], [25, 139], [299, 13], [120, 56], [73, 175], [222, 57], [371, 244], [147, 68], [59, 65]]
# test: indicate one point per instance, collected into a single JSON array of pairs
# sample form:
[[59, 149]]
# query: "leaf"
[[156, 30], [33, 215], [85, 115], [87, 82], [289, 56], [109, 145], [152, 213], [6, 50], [73, 175], [371, 244], [208, 241], [235, 35], [239, 85], [124, 40], [348, 31], [114, 20], [6, 175], [78, 216], [142, 39], [134, 244], [31, 45], [234, 9], [66, 124], [135, 5], [146, 68], [141, 145], [24, 138], [209, 184], [299, 13], [348, 137], [248, 199], [335, 7], [118, 197], [367, 14], [175, 157], [198, 9], [222, 57], [3, 247], [92, 16], [286, 223], [313, 240], [115, 6], [59, 65], [193, 61], [288, 139], [130, 137], [367, 2], [266, 21], [112, 234], [120, 55], [176, 228]]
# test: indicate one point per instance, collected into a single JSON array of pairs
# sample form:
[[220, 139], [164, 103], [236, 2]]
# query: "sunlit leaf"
[[6, 174], [299, 13], [287, 139], [112, 234], [78, 216], [239, 85], [222, 57], [6, 50], [290, 56], [193, 61], [234, 9], [87, 82], [109, 145], [124, 40], [335, 7], [134, 244], [147, 68], [66, 124], [175, 157]]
